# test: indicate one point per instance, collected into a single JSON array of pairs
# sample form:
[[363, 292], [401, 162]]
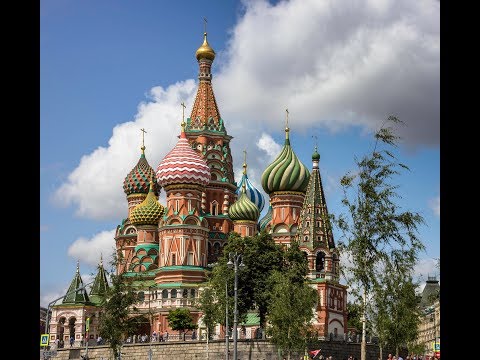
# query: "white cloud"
[[435, 205], [267, 144], [89, 250], [348, 64], [95, 186]]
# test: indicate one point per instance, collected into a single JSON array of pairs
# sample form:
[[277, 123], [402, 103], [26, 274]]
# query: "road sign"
[[436, 345], [44, 340]]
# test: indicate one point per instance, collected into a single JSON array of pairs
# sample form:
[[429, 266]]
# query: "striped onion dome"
[[243, 209], [252, 192], [287, 172], [266, 219], [137, 180], [183, 165], [149, 211]]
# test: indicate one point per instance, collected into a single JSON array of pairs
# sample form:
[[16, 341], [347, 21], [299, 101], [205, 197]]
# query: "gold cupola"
[[205, 51]]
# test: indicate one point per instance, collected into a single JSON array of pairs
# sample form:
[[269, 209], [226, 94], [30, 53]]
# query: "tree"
[[180, 319], [115, 320], [290, 311], [261, 256], [376, 233], [354, 313], [208, 305]]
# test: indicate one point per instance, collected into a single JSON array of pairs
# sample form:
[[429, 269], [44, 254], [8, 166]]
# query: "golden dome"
[[205, 51]]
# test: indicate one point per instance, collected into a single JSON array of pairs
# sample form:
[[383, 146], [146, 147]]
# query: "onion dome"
[[287, 172], [137, 180], [266, 219], [205, 51], [252, 192], [183, 165], [315, 155], [244, 209], [149, 211]]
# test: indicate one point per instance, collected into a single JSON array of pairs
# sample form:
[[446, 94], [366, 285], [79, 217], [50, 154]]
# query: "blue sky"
[[110, 68]]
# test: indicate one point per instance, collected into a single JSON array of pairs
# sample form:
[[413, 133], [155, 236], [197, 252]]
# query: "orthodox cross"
[[245, 161], [286, 110], [143, 139], [205, 24], [315, 137], [183, 114]]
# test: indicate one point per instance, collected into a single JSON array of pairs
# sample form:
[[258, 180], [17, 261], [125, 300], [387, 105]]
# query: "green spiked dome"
[[137, 180], [149, 211], [287, 172], [244, 209]]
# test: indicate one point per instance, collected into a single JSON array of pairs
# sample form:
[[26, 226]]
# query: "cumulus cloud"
[[435, 205], [348, 64], [94, 187], [88, 250]]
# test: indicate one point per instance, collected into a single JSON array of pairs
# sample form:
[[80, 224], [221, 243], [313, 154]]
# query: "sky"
[[110, 68]]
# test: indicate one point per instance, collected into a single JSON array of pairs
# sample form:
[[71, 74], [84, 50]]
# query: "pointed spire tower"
[[206, 133], [100, 285], [285, 180], [315, 239], [314, 232], [76, 297]]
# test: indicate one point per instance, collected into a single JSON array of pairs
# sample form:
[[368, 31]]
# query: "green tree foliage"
[[209, 306], [116, 321], [376, 233], [354, 311], [290, 311], [261, 256], [181, 319]]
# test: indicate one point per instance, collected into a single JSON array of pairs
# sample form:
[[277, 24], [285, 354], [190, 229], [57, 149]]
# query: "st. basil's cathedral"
[[166, 249]]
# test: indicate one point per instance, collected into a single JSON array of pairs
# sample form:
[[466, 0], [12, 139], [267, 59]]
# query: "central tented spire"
[[205, 114]]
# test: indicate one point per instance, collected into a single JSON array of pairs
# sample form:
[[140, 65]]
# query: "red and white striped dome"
[[182, 165]]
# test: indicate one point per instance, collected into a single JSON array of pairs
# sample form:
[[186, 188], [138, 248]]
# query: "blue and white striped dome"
[[251, 191]]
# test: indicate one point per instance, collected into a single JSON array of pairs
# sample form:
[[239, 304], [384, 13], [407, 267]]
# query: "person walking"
[[72, 340]]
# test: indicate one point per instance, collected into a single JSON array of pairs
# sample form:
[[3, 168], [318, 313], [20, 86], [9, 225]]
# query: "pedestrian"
[[72, 340], [166, 335], [82, 340], [194, 335]]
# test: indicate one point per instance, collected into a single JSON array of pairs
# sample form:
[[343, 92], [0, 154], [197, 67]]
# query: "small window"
[[192, 293], [185, 293], [141, 296], [174, 293], [174, 259], [165, 294]]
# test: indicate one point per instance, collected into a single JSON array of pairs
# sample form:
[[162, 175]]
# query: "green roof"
[[252, 320]]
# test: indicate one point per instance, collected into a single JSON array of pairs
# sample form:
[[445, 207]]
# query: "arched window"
[[216, 248], [173, 294], [305, 255], [192, 293], [214, 208], [320, 261], [305, 238], [165, 294], [141, 296], [174, 259], [185, 293]]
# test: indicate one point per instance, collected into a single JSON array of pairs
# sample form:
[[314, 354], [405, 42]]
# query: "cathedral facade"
[[166, 248]]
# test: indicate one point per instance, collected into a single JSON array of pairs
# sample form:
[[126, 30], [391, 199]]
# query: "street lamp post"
[[234, 259], [226, 320], [150, 354]]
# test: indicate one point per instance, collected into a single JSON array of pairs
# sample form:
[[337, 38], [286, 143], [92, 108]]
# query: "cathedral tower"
[[206, 133], [285, 180]]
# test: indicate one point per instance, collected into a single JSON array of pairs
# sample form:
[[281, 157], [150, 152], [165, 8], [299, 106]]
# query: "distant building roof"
[[430, 291]]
